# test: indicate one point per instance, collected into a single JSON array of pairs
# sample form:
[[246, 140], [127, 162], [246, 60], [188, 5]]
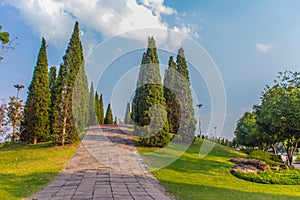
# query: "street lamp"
[[199, 106], [19, 87]]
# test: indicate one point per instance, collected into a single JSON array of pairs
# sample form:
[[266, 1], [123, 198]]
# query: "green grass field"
[[191, 177], [24, 169]]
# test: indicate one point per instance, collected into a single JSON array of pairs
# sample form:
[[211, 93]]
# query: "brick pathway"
[[105, 166]]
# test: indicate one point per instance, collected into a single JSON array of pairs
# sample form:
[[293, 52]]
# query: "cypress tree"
[[81, 100], [170, 94], [116, 120], [73, 64], [52, 80], [37, 107], [187, 126], [149, 103], [101, 110], [127, 119], [97, 110], [109, 116], [92, 114]]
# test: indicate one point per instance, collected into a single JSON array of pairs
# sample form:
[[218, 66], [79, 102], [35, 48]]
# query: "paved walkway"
[[106, 165]]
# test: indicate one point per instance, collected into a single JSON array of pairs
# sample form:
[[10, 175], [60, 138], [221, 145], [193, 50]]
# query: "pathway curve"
[[105, 166]]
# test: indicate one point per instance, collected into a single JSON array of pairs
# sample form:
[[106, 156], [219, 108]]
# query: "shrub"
[[281, 177], [271, 159]]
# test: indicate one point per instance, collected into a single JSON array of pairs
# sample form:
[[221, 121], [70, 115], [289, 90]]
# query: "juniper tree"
[[52, 80], [37, 106], [127, 119], [92, 113], [171, 96], [109, 116], [187, 123], [66, 86], [101, 110], [148, 105]]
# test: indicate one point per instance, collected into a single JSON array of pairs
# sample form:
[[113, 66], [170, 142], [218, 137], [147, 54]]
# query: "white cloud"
[[264, 48], [54, 19]]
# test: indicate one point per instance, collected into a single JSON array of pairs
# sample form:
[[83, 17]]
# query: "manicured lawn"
[[191, 177], [24, 169]]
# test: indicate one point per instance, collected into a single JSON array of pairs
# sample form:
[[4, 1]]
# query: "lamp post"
[[19, 87], [199, 106]]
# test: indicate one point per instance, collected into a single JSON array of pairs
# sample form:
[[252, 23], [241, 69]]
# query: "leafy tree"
[[170, 94], [148, 106], [279, 111], [116, 120], [97, 110], [247, 131], [92, 113], [109, 116], [188, 123], [4, 38], [3, 120], [67, 85], [15, 115], [37, 106], [127, 115]]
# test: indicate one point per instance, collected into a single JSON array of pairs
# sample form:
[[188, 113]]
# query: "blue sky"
[[249, 41]]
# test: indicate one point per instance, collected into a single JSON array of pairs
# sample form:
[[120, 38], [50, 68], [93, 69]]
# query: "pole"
[[199, 106]]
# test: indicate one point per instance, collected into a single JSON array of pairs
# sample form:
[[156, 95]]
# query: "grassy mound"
[[194, 178], [24, 169]]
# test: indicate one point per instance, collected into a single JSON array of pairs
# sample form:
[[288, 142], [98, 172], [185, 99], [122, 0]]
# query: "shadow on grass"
[[21, 186], [197, 192]]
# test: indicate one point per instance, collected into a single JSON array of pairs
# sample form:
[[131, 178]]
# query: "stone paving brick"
[[106, 166]]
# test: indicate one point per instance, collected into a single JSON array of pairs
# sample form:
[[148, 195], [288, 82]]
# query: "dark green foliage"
[[52, 80], [92, 113], [109, 116], [127, 119], [71, 85], [37, 107], [170, 94], [116, 120], [148, 106], [101, 110], [97, 110], [81, 100], [246, 132], [187, 124], [281, 177]]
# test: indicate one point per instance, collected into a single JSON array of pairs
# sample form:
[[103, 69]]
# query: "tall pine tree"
[[127, 119], [97, 110], [67, 80], [149, 103], [188, 123], [37, 107], [170, 94], [109, 119]]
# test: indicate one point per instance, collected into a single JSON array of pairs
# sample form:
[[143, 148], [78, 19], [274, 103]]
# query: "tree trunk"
[[34, 139], [64, 131], [274, 149]]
